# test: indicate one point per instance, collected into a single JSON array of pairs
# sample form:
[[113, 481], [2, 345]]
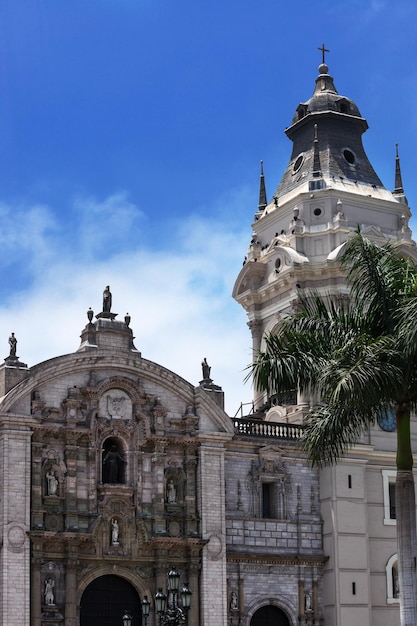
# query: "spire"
[[262, 191], [316, 163], [324, 82], [398, 180], [398, 185]]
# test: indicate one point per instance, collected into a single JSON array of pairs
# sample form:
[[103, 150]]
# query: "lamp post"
[[166, 605], [145, 604], [127, 619]]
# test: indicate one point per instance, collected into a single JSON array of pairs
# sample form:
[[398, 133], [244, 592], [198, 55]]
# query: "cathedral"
[[129, 497]]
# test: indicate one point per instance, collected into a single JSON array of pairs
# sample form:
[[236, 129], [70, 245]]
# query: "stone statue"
[[171, 492], [107, 300], [49, 592], [113, 464], [206, 369], [234, 605], [308, 603], [52, 483], [115, 532], [12, 342]]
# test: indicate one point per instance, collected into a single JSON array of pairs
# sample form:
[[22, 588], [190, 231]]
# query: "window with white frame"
[[393, 591], [389, 478]]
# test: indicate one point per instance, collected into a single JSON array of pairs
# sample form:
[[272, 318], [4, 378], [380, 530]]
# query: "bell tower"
[[328, 189]]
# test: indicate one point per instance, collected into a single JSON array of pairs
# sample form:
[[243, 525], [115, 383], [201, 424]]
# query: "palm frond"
[[355, 354], [331, 429], [378, 276], [362, 371]]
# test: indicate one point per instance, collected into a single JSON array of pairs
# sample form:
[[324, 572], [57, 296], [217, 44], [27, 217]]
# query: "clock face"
[[386, 419]]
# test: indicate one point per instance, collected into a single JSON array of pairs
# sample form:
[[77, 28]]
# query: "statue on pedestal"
[[171, 492], [206, 369], [52, 483], [13, 343], [107, 298], [115, 532], [49, 592]]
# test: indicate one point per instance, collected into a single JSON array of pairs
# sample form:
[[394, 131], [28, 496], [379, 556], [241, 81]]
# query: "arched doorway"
[[105, 600], [269, 616]]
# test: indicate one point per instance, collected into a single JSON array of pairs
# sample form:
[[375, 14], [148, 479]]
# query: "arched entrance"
[[105, 600], [269, 616]]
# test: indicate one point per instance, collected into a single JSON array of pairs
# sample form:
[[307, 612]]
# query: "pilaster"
[[14, 524], [213, 527]]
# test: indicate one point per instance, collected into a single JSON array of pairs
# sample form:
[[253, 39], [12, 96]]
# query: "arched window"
[[393, 591]]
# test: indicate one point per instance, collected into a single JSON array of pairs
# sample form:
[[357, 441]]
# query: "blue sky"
[[130, 138]]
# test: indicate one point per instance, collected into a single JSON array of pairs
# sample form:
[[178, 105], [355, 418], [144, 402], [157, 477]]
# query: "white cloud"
[[24, 234], [104, 227], [179, 297]]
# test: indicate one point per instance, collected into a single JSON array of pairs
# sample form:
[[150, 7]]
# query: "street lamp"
[[160, 601], [145, 604], [127, 619], [166, 605], [186, 594]]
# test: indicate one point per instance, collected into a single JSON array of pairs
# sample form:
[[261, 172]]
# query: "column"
[[71, 587], [256, 329], [36, 592], [194, 612]]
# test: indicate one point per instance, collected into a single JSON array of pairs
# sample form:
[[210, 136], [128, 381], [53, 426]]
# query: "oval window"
[[298, 163], [349, 156]]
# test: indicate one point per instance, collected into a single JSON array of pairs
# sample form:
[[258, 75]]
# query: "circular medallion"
[[214, 547], [16, 536], [53, 522], [174, 529]]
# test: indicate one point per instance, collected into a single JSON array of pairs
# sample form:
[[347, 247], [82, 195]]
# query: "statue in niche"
[[107, 298], [49, 592], [112, 466], [13, 344], [234, 604], [114, 532], [308, 602], [52, 483], [171, 492]]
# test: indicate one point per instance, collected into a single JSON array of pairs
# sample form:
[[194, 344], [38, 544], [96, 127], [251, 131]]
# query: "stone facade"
[[115, 469]]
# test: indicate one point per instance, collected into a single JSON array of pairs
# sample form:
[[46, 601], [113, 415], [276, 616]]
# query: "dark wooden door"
[[269, 616], [105, 601]]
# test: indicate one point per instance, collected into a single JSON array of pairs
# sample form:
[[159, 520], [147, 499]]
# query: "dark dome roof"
[[325, 98], [326, 132]]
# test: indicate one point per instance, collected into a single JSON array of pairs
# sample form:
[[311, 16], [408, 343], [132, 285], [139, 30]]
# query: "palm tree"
[[354, 356]]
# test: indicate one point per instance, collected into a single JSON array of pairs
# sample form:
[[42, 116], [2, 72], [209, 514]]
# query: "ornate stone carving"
[[73, 408], [273, 472], [16, 536]]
